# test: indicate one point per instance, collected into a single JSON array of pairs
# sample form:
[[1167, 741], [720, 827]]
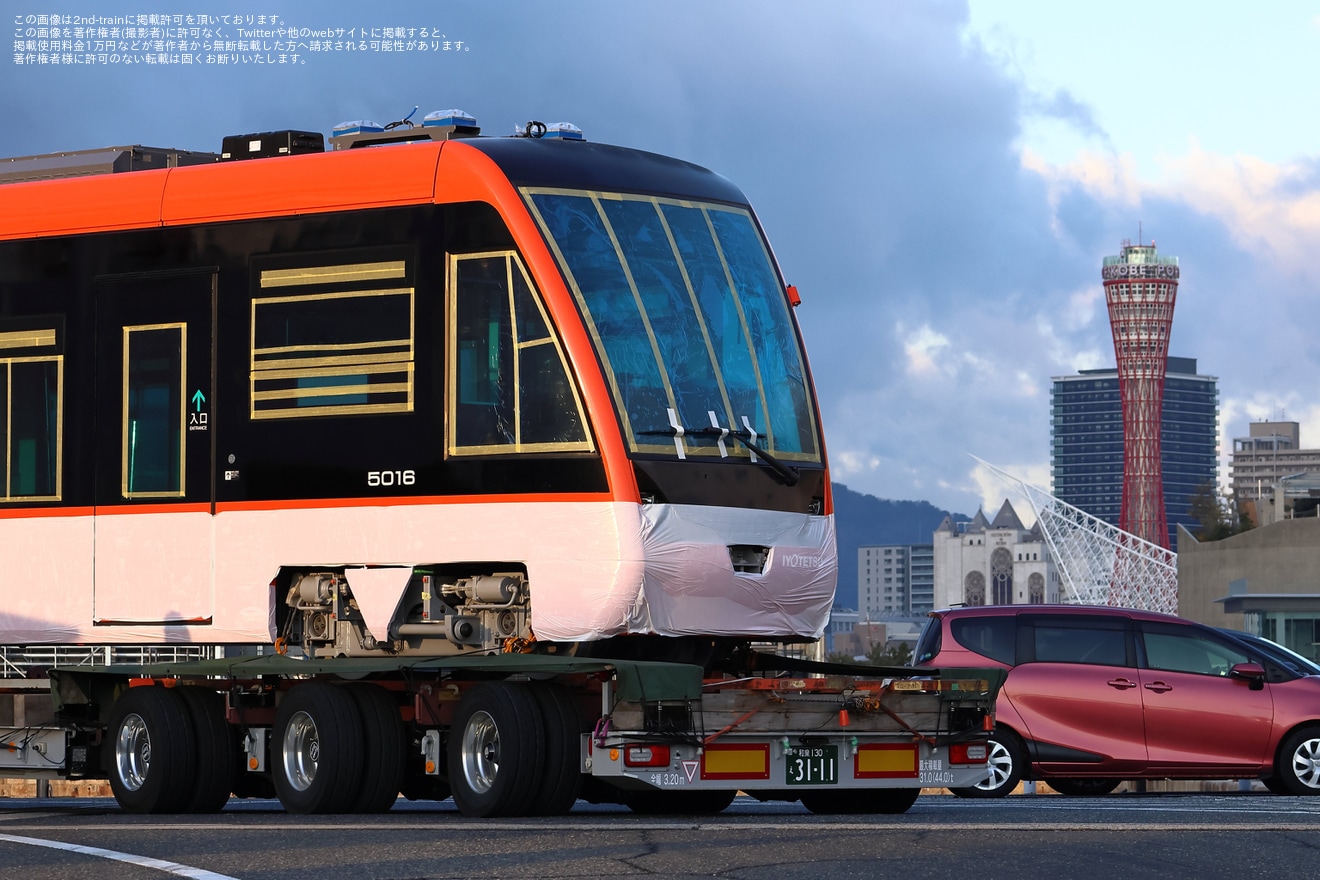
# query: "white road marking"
[[142, 861], [876, 825]]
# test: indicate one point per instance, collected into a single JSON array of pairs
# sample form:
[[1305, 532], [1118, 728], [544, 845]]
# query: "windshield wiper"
[[786, 474]]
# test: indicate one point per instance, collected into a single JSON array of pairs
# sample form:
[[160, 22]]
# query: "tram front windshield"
[[689, 318]]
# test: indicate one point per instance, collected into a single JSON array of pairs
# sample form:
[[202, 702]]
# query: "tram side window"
[[153, 450], [509, 385], [31, 388], [334, 339]]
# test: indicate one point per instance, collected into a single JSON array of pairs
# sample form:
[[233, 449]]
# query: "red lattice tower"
[[1140, 289]]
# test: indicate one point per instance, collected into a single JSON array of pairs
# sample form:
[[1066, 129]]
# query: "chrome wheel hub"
[[300, 751]]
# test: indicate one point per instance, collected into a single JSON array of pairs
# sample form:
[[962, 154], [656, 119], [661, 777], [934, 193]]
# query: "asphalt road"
[[1124, 836]]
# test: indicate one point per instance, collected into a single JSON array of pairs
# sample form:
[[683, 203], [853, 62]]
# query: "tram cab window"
[[509, 385]]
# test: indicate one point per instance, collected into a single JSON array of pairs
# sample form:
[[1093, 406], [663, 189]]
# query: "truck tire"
[[561, 776], [316, 749], [1084, 787], [149, 751], [1297, 767], [495, 750], [678, 803], [1004, 767], [860, 802], [384, 743], [213, 776]]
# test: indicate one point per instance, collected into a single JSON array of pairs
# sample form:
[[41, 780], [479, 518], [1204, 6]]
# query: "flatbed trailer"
[[507, 446], [506, 735]]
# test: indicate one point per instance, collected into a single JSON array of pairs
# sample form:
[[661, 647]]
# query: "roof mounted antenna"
[[404, 121]]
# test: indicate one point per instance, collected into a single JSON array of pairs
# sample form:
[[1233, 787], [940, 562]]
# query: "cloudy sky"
[[941, 180]]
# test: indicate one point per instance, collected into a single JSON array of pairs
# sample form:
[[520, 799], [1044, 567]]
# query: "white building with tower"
[[999, 562]]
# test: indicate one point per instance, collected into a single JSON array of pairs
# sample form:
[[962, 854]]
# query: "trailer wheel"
[[678, 803], [384, 745], [213, 777], [317, 747], [495, 750], [149, 751], [561, 778], [889, 801]]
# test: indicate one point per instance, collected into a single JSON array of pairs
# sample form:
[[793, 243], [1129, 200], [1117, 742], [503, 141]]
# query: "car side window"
[[1100, 642], [1183, 649], [994, 637]]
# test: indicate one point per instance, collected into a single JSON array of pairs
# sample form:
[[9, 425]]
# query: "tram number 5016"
[[376, 479]]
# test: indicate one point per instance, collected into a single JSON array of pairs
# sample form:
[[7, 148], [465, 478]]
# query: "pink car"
[[1096, 695]]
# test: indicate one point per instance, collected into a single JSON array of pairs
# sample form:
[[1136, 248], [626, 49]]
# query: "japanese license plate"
[[811, 765]]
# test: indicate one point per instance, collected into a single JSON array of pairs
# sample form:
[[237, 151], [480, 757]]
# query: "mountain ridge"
[[861, 520]]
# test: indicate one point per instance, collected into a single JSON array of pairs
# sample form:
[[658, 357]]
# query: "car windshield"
[[1276, 652], [689, 318]]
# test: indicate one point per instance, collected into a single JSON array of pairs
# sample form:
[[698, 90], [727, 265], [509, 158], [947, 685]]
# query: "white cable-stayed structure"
[[1100, 564]]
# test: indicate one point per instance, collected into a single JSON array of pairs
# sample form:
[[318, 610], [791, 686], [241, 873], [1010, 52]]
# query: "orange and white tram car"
[[416, 398]]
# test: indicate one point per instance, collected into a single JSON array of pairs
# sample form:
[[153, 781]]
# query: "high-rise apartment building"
[[1268, 466], [895, 580], [1087, 450], [1141, 288]]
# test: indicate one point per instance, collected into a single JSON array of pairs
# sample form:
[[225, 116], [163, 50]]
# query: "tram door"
[[154, 450]]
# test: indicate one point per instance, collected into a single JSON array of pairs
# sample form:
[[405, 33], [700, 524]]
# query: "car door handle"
[[1159, 687], [1121, 683]]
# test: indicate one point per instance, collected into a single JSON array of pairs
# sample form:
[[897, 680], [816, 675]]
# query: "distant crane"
[[1100, 564]]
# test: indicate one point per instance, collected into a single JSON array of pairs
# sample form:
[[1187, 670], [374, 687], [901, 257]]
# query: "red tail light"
[[968, 753], [646, 756]]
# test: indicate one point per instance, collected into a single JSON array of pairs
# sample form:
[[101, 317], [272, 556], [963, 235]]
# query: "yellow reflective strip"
[[740, 761], [896, 760]]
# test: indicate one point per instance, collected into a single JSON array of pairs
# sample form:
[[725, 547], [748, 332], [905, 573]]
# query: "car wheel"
[[1004, 767], [1084, 787], [1297, 766], [1274, 785]]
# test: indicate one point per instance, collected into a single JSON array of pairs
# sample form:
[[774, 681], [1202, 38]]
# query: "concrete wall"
[[1280, 558]]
